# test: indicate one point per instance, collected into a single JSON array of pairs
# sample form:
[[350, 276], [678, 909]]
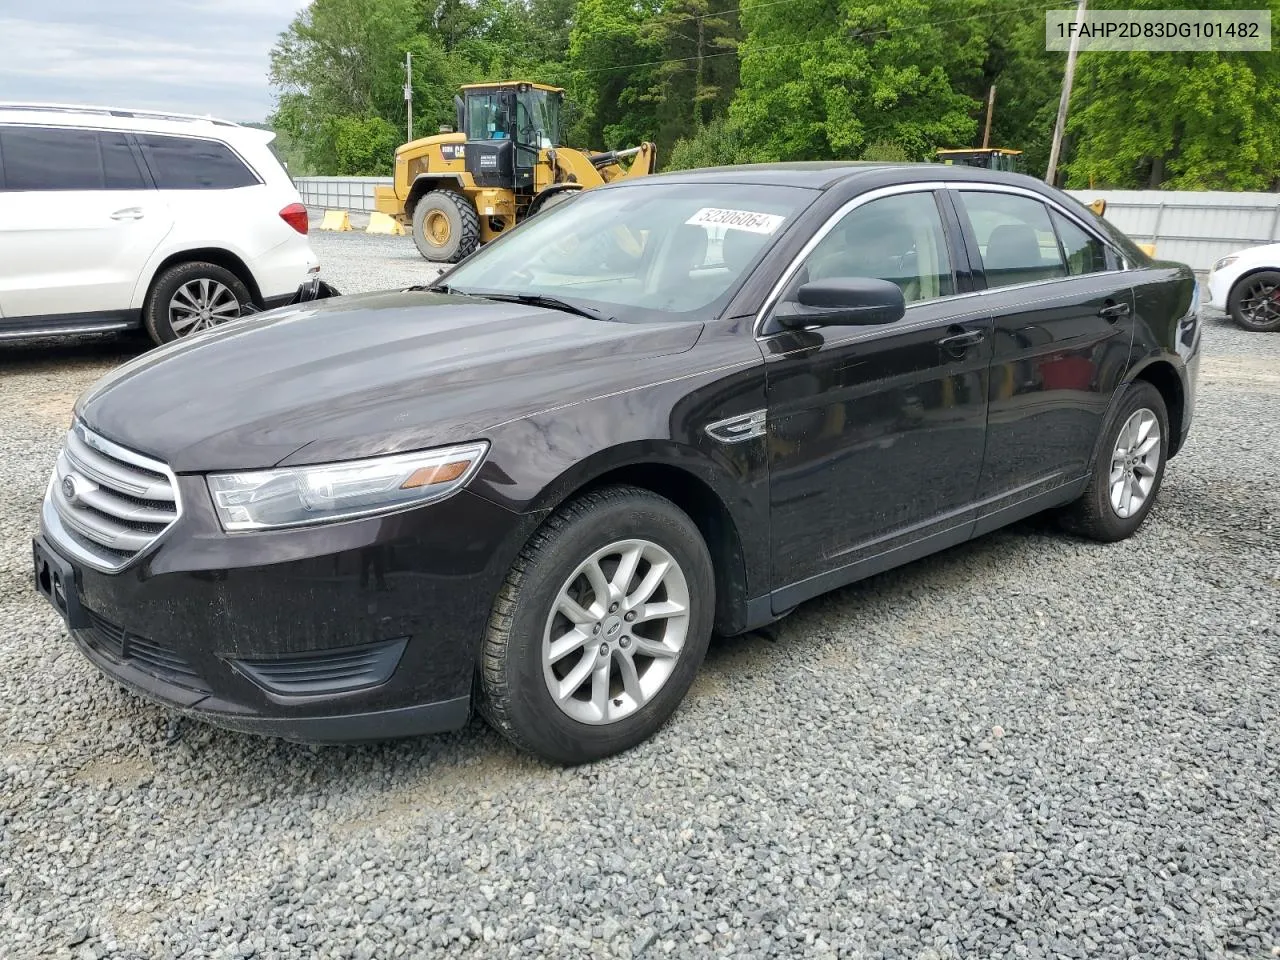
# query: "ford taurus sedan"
[[667, 407]]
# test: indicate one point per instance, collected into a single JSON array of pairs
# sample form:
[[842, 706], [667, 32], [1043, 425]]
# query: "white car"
[[1246, 285], [111, 219]]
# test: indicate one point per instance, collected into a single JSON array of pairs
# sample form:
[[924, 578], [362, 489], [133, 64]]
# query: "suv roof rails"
[[114, 112]]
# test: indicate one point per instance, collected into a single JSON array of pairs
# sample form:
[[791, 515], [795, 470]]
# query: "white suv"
[[121, 218]]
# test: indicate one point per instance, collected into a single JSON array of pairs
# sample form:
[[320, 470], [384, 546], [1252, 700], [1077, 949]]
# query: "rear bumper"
[[386, 201]]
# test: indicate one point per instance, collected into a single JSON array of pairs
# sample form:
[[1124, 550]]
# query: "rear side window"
[[1084, 253], [185, 163], [1015, 237], [48, 158]]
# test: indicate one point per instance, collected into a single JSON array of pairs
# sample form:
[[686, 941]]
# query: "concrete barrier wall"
[[1195, 228]]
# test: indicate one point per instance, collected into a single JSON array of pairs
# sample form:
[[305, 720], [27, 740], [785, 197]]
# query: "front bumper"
[[1220, 288], [363, 630]]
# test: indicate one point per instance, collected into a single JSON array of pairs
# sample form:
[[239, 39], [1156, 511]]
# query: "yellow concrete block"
[[336, 220], [382, 223]]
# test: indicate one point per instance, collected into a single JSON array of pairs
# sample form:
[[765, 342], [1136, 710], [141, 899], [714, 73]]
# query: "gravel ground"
[[1028, 746]]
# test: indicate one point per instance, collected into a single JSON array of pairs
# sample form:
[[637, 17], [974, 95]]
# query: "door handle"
[[963, 340], [1112, 312], [128, 213]]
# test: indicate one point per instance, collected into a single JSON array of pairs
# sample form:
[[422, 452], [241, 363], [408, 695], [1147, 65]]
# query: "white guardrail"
[[1194, 228]]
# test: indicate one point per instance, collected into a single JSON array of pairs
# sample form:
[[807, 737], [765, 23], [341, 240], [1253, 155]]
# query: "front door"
[[1063, 329], [875, 434]]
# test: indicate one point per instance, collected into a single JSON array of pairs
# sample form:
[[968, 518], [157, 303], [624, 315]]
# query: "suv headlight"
[[299, 496], [1224, 262]]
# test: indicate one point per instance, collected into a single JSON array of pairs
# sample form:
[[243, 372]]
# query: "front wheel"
[[1127, 470], [1254, 302], [600, 627]]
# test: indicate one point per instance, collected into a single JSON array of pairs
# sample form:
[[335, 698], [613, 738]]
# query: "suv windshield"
[[638, 252]]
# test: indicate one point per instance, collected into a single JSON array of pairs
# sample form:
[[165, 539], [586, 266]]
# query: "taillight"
[[295, 215]]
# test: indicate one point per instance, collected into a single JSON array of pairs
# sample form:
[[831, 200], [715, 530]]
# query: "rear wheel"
[[600, 627], [1254, 303], [189, 297], [1127, 470], [446, 227]]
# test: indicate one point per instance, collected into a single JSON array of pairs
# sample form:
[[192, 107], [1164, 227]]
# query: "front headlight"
[[1224, 262], [298, 496]]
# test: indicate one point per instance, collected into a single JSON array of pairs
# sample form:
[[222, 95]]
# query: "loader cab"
[[988, 158], [506, 125]]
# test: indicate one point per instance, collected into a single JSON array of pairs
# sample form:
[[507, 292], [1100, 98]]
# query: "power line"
[[806, 43]]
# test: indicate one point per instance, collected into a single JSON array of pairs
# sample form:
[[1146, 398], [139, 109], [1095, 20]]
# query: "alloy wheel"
[[1134, 463], [1260, 304], [615, 631], [200, 304]]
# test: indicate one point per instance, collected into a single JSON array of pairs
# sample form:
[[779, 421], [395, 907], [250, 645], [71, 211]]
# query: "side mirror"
[[844, 302]]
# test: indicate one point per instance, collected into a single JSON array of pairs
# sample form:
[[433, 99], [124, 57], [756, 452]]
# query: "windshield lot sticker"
[[737, 220]]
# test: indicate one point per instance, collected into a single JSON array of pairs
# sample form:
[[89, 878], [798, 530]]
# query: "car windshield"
[[639, 252]]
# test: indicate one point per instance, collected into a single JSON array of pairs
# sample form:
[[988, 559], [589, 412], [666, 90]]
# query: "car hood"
[[364, 375]]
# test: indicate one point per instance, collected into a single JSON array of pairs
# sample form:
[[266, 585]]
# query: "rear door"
[[1063, 317], [78, 219]]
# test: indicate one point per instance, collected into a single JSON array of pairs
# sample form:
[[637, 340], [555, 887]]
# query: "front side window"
[[185, 163], [1084, 253], [487, 117], [897, 238], [648, 251], [1015, 237]]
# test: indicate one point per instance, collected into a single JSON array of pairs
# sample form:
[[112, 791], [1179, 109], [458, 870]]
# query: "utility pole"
[[1067, 77], [991, 105], [408, 92]]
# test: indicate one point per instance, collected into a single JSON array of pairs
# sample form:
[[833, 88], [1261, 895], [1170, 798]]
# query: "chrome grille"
[[106, 504]]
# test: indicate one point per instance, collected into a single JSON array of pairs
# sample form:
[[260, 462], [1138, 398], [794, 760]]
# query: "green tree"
[[1204, 120], [718, 143], [824, 78]]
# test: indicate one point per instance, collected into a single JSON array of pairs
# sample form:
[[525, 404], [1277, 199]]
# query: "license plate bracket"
[[56, 582]]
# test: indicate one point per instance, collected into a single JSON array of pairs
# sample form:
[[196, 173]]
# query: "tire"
[[173, 309], [1254, 302], [1094, 515], [560, 196], [446, 227], [515, 676]]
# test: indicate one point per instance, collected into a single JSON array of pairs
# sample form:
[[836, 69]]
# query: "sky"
[[189, 56]]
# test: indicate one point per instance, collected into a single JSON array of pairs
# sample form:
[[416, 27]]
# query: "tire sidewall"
[[532, 708], [156, 309], [442, 203], [1237, 294], [1137, 395]]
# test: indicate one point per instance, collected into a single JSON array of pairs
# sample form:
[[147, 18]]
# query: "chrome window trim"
[[970, 186], [775, 292], [820, 234], [52, 523]]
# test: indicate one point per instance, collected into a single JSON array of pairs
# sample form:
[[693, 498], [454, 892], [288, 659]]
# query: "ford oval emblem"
[[69, 488]]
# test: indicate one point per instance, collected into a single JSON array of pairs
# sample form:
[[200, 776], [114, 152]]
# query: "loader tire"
[[446, 227]]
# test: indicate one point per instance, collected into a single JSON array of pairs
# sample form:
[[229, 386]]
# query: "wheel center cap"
[[612, 627]]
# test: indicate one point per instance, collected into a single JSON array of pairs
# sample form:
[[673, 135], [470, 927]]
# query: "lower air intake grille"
[[147, 655], [330, 671]]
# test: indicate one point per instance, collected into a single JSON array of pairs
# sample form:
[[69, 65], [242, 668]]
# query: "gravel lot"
[[1028, 746]]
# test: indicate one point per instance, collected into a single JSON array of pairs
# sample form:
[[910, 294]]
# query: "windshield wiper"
[[539, 300]]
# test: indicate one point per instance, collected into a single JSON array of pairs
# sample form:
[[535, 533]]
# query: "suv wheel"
[[600, 627], [1127, 469], [1254, 303], [189, 297]]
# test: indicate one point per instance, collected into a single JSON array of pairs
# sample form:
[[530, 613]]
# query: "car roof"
[[126, 118], [825, 174]]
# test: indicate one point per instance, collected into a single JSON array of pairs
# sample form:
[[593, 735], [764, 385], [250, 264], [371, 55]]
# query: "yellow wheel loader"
[[502, 164]]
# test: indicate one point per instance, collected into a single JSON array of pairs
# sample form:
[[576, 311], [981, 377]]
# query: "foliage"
[[1202, 121], [718, 143], [725, 81]]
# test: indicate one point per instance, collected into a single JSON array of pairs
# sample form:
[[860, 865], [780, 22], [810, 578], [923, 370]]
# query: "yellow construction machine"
[[501, 164]]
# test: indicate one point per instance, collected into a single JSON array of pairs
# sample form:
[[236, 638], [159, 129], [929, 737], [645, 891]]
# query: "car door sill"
[[62, 325]]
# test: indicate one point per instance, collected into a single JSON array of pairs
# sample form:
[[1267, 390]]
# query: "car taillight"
[[295, 215]]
